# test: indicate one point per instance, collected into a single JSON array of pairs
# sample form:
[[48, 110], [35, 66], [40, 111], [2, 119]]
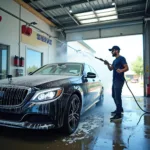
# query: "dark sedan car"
[[53, 96]]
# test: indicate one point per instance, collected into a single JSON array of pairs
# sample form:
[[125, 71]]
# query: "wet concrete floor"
[[95, 131]]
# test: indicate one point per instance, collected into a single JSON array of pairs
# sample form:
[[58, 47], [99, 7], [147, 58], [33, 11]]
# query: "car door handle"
[[93, 80]]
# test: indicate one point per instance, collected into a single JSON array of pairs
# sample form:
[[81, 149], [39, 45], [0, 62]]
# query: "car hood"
[[34, 80]]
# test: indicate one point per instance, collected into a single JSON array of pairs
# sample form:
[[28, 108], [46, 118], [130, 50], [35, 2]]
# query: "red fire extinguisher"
[[16, 60], [21, 62], [26, 30], [0, 18], [148, 90]]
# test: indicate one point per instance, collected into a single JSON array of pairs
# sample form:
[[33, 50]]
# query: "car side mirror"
[[91, 75]]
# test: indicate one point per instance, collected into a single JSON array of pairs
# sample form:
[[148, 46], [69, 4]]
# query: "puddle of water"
[[85, 129]]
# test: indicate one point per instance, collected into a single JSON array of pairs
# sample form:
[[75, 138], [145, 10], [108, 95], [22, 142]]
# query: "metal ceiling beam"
[[34, 12], [33, 2], [93, 10], [65, 5], [134, 4], [70, 15], [136, 12], [139, 13], [103, 25], [121, 8], [116, 8], [130, 6], [121, 16], [146, 6]]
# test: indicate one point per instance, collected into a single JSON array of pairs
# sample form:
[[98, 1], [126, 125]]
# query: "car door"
[[87, 84], [96, 86]]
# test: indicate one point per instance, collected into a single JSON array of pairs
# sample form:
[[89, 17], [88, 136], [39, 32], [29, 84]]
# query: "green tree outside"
[[31, 69], [137, 66]]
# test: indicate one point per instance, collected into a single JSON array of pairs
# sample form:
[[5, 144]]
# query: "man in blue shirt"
[[119, 66]]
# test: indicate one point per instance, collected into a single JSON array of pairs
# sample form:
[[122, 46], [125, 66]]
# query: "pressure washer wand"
[[99, 59]]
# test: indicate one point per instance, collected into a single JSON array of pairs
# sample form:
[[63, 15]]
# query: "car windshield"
[[60, 69]]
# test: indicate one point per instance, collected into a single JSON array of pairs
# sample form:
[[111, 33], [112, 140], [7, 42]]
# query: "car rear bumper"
[[27, 125]]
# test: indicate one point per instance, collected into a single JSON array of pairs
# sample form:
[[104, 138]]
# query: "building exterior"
[[32, 49], [36, 49]]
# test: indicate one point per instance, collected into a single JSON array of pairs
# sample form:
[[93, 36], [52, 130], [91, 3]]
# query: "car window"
[[61, 69], [47, 70]]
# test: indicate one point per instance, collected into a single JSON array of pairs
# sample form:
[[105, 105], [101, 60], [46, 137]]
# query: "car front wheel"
[[72, 114]]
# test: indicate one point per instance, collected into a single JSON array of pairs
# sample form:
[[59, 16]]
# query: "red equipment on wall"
[[0, 18], [148, 90], [26, 30], [21, 64], [29, 31], [16, 60]]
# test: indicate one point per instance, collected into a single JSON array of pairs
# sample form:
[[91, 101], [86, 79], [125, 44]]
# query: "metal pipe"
[[93, 10], [146, 6], [116, 7], [24, 21], [33, 2], [19, 31], [147, 19], [36, 28], [69, 15]]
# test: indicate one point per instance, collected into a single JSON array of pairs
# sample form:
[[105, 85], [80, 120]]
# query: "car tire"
[[101, 98], [72, 114]]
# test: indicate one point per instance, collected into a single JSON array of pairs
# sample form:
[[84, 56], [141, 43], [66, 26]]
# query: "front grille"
[[12, 96], [10, 116]]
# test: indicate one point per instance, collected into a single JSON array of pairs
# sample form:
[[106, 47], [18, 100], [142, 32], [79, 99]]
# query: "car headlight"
[[47, 94]]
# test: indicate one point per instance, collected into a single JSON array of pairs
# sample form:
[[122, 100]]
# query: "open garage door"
[[132, 51]]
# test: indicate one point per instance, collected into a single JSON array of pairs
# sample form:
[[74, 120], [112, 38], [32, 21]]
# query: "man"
[[119, 66]]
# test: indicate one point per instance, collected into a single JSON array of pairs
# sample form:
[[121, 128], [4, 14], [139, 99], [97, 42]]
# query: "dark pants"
[[116, 94]]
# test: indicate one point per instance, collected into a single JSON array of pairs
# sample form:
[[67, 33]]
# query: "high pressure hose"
[[148, 112]]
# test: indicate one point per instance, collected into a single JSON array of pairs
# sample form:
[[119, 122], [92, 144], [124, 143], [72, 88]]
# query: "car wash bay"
[[53, 24]]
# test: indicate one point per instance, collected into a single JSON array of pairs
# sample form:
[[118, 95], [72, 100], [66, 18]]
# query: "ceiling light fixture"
[[70, 10], [113, 3]]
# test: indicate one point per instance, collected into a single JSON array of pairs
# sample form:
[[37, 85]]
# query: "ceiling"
[[58, 11]]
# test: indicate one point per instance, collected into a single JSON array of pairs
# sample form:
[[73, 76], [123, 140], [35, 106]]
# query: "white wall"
[[9, 29], [10, 33]]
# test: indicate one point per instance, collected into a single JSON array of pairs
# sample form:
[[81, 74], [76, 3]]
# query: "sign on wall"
[[44, 39], [36, 39]]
